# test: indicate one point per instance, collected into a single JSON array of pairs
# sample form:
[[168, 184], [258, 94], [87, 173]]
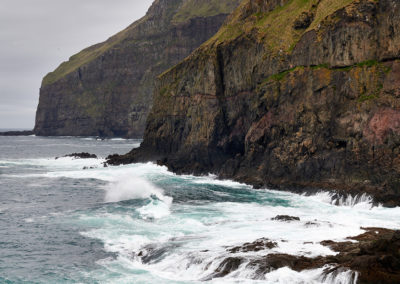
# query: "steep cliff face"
[[288, 94], [107, 89]]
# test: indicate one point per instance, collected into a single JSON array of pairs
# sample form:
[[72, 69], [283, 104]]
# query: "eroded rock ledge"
[[375, 257], [372, 257]]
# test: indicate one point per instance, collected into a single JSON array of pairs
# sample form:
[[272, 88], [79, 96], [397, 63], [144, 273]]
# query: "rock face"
[[288, 94], [372, 257], [106, 89]]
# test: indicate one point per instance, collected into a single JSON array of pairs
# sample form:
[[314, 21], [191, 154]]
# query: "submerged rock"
[[257, 245], [285, 218], [83, 155], [227, 266], [374, 258]]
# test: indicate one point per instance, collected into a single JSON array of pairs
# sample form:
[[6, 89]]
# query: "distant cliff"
[[106, 89], [288, 94]]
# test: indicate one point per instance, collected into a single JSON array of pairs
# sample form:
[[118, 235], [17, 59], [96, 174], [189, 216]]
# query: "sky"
[[38, 35]]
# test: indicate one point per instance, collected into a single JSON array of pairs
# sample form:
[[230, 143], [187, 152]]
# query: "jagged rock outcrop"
[[106, 89], [288, 94], [372, 257]]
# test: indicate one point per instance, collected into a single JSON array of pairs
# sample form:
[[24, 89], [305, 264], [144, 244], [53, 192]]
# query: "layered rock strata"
[[298, 95], [106, 90]]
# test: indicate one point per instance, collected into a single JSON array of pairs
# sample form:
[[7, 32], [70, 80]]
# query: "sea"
[[68, 220]]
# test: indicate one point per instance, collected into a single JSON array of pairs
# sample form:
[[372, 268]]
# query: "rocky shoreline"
[[321, 112], [17, 133], [369, 258], [338, 193], [373, 255]]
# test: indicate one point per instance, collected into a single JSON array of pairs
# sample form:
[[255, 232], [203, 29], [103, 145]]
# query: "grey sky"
[[37, 35]]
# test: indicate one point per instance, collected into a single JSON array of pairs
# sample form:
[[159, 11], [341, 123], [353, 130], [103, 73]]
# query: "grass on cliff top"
[[275, 28], [188, 10], [204, 8], [83, 57]]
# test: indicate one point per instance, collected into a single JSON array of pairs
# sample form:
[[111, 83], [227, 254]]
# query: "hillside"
[[106, 89]]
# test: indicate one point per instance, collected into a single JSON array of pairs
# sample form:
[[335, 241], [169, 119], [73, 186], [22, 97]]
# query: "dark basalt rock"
[[82, 155], [285, 218], [321, 112], [375, 257], [89, 168], [227, 266], [257, 245], [153, 253], [17, 133]]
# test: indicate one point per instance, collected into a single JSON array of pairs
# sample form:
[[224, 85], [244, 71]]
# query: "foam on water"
[[131, 187], [128, 187], [162, 231], [191, 240], [212, 179], [364, 200]]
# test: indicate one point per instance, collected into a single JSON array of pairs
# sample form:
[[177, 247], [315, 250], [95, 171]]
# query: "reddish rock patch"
[[381, 124]]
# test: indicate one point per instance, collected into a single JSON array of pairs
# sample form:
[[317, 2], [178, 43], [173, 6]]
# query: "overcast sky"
[[37, 35]]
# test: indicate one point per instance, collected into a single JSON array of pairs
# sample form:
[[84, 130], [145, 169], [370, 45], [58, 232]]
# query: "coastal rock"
[[83, 155], [17, 133], [285, 218], [106, 90], [373, 258], [227, 266], [295, 109], [257, 245]]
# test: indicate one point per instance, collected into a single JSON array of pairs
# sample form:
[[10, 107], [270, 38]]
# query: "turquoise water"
[[141, 223]]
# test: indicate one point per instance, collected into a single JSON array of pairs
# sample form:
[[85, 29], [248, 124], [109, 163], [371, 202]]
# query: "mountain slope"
[[106, 89], [293, 94]]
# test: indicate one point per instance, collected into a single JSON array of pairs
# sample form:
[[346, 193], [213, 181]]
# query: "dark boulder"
[[257, 245], [285, 218], [82, 155]]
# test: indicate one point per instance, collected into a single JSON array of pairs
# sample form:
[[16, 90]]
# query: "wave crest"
[[133, 187], [362, 201]]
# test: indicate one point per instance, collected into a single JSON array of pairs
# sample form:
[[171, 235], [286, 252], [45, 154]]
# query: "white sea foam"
[[192, 239], [53, 164], [213, 179], [285, 275], [131, 187], [204, 232], [361, 201]]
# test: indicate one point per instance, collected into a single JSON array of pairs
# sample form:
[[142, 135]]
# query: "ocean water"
[[140, 223]]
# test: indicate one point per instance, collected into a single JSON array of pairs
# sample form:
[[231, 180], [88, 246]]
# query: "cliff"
[[296, 94], [106, 89]]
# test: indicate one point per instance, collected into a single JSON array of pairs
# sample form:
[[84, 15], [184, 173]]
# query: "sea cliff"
[[106, 90], [298, 95]]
